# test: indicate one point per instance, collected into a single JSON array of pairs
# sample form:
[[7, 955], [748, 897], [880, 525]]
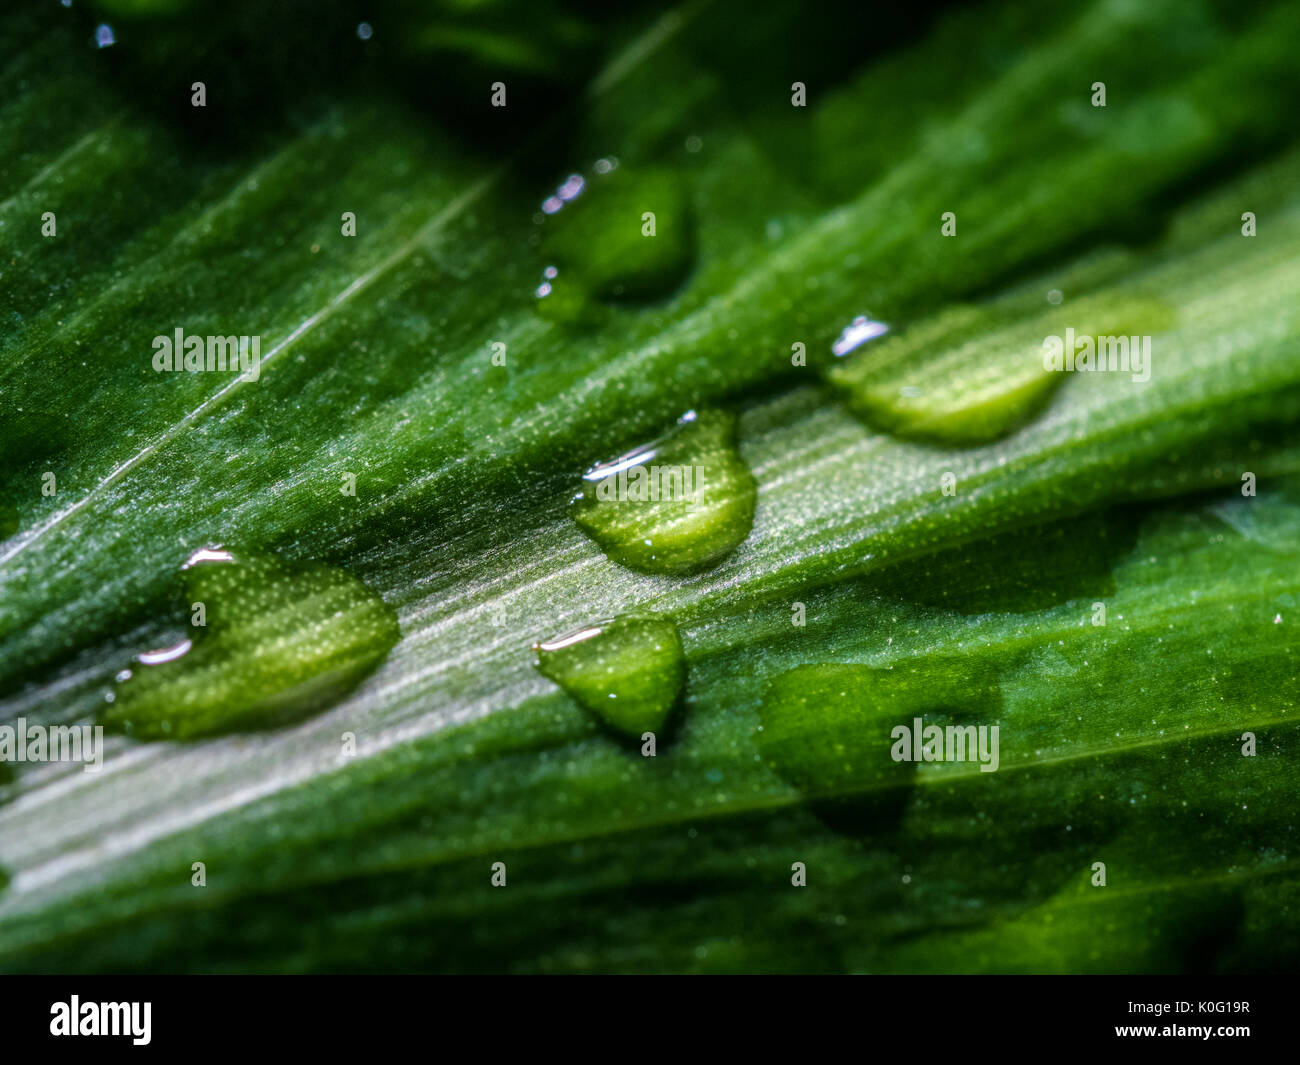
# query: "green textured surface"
[[1120, 743]]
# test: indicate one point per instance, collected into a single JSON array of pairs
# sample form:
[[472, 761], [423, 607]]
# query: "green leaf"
[[936, 547]]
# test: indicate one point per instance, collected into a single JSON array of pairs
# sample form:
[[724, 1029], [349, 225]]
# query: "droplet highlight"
[[857, 333], [677, 505], [628, 671], [279, 643]]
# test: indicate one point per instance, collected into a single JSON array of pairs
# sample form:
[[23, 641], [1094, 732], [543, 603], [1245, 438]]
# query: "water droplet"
[[935, 384], [280, 643], [621, 236], [677, 505], [628, 671], [828, 730], [365, 31], [972, 375], [104, 36]]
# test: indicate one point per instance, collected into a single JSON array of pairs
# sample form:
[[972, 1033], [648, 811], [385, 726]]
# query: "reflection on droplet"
[[628, 671], [154, 658], [857, 333], [208, 554], [277, 643], [570, 190]]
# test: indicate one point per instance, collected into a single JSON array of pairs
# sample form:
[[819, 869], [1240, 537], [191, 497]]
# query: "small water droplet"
[[280, 642], [628, 671], [676, 505], [365, 31], [104, 36]]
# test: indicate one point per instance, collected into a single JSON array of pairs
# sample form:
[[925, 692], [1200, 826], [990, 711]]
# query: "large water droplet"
[[829, 729], [827, 732], [972, 375], [677, 505], [967, 396], [628, 671], [280, 643], [617, 235]]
